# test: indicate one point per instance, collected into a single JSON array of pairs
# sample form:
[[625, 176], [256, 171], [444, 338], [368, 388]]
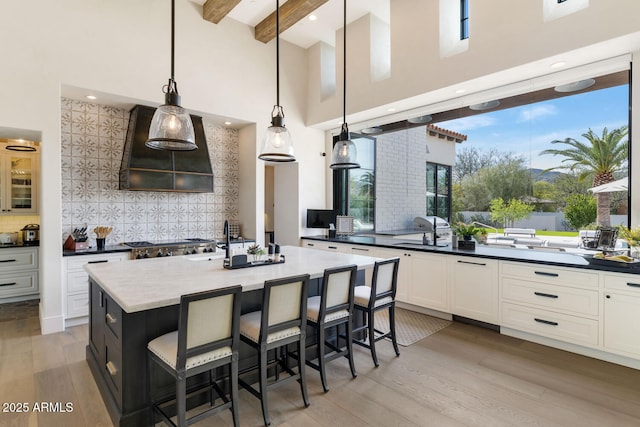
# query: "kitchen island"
[[133, 302]]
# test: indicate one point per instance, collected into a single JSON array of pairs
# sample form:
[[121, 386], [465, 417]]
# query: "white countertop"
[[138, 285]]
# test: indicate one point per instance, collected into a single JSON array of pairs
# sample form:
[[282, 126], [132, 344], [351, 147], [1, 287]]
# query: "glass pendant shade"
[[277, 145], [171, 129], [344, 153]]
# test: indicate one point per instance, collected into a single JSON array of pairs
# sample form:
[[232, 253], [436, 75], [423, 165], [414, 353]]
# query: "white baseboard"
[[75, 321], [430, 312], [50, 325]]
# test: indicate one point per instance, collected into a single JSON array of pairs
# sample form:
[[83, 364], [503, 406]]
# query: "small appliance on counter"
[[30, 234], [8, 238]]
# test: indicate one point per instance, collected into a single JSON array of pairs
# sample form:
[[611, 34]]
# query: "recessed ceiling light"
[[92, 97], [373, 130], [461, 91], [227, 123], [485, 105], [575, 86], [558, 64], [420, 119], [312, 17]]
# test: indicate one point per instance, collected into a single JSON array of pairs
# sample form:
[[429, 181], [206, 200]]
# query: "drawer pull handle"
[[544, 273], [472, 263], [8, 284], [542, 294], [8, 260], [98, 262], [333, 247], [360, 249], [633, 285], [111, 367], [310, 244], [546, 322], [110, 318]]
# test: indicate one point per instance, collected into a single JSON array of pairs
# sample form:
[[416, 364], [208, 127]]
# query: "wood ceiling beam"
[[215, 10], [290, 12]]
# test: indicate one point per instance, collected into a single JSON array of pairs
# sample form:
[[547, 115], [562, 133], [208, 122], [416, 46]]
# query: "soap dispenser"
[[425, 241]]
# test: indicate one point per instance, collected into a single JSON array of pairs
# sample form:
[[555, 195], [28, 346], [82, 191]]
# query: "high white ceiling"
[[306, 33]]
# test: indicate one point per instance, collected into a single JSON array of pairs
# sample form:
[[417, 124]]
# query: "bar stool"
[[282, 321], [208, 337], [333, 308], [380, 296]]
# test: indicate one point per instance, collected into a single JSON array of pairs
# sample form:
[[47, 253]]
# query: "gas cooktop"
[[146, 244]]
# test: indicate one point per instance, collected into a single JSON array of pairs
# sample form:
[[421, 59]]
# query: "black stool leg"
[[392, 325], [321, 360], [350, 348], [302, 371], [234, 390], [181, 400], [262, 362], [372, 338]]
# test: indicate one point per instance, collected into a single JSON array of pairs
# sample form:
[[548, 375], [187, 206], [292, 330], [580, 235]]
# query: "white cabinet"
[[622, 314], [326, 246], [475, 288], [76, 284], [422, 278], [554, 302], [18, 183], [18, 273]]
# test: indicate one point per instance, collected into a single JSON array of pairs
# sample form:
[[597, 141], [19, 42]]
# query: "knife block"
[[71, 245]]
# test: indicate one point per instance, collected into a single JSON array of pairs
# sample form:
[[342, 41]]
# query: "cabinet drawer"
[[562, 327], [77, 305], [550, 275], [627, 282], [77, 262], [12, 285], [112, 369], [113, 317], [559, 298], [18, 259], [77, 282]]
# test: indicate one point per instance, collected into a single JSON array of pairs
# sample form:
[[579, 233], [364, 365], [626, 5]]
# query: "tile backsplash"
[[92, 143]]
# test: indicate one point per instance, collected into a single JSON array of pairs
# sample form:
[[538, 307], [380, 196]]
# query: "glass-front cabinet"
[[18, 182]]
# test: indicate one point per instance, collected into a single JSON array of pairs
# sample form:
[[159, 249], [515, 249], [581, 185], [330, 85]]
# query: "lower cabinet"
[[76, 284], [475, 288], [18, 274], [422, 278], [622, 314]]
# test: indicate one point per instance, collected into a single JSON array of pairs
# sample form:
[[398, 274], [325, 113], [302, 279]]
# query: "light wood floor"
[[462, 375]]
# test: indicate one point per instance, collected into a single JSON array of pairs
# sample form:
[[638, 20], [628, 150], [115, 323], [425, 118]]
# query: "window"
[[464, 19], [438, 191], [354, 189]]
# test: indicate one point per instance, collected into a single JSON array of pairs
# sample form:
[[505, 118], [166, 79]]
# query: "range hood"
[[146, 169]]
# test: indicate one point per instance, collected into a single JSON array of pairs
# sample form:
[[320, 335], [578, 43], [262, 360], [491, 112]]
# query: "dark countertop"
[[93, 251], [20, 245], [561, 259]]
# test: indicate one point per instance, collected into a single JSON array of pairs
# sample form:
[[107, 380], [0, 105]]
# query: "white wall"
[[121, 47]]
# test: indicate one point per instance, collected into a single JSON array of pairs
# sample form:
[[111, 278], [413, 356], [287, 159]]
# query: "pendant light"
[[171, 127], [344, 151], [276, 144]]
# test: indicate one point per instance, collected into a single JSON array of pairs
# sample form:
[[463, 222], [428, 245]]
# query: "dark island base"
[[117, 353]]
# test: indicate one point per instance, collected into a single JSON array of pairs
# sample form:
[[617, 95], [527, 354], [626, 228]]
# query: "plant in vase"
[[256, 251], [466, 231], [632, 236]]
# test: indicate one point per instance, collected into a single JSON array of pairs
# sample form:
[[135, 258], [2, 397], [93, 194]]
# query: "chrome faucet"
[[227, 253]]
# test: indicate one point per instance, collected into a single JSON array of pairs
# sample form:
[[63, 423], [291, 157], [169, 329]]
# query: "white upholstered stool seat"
[[361, 295], [250, 328], [166, 348], [313, 311]]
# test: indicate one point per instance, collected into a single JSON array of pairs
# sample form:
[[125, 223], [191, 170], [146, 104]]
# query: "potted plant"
[[632, 236], [256, 251], [467, 231]]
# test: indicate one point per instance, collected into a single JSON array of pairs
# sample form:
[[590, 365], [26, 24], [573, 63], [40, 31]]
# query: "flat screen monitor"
[[320, 218]]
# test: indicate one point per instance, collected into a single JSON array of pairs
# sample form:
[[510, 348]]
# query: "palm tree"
[[600, 158]]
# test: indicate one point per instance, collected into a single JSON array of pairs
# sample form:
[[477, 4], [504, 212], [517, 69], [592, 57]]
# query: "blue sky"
[[529, 129]]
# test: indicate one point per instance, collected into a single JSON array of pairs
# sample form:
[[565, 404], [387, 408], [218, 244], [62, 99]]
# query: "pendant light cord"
[[344, 66], [173, 37], [278, 53]]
